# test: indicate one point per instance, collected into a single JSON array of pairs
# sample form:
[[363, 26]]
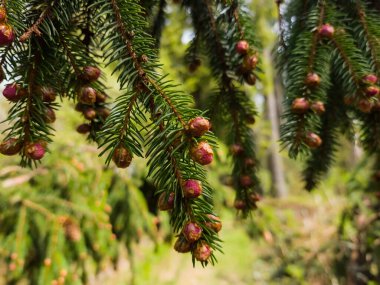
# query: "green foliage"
[[341, 61], [56, 220], [72, 216], [150, 116]]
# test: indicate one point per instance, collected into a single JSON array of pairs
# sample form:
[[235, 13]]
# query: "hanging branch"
[[333, 54], [169, 146], [229, 104], [307, 83], [370, 36]]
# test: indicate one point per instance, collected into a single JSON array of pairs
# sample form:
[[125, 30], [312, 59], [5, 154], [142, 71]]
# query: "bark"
[[279, 187]]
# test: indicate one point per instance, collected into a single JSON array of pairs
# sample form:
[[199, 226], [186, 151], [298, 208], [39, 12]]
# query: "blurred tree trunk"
[[266, 20], [273, 95]]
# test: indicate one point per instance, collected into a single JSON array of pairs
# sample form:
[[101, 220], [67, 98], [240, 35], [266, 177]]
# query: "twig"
[[34, 28]]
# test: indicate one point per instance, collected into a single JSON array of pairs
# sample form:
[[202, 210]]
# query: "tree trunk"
[[279, 185]]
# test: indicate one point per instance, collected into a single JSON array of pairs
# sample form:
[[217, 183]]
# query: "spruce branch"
[[307, 57], [340, 54], [235, 106], [144, 89], [367, 21], [34, 28], [371, 40], [348, 63]]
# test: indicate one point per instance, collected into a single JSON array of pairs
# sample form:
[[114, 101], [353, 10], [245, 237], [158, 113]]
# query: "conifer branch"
[[34, 28], [312, 60], [168, 144], [229, 102], [314, 44], [143, 75], [347, 62], [370, 39]]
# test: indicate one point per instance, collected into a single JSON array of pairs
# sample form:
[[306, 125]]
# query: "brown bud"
[[300, 105], [250, 119], [250, 62], [240, 204], [312, 80], [236, 149], [7, 35], [100, 97], [371, 91], [202, 153], [182, 245], [49, 115], [122, 157], [254, 198], [192, 188], [12, 266], [89, 113], [202, 251], [63, 273], [192, 231], [48, 94], [246, 181], [365, 106], [87, 95], [249, 162], [198, 126], [14, 92], [318, 107], [72, 230], [35, 151], [348, 100], [90, 73], [103, 112], [10, 146], [215, 224], [165, 201], [326, 31], [84, 128], [144, 58], [370, 79], [313, 140], [250, 79], [242, 47]]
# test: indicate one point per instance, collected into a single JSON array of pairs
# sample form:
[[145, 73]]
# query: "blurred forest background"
[[77, 212]]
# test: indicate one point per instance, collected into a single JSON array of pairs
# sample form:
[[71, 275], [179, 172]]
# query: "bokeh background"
[[72, 211]]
